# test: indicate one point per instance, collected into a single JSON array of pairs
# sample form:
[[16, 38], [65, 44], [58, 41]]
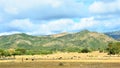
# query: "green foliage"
[[30, 52], [1, 53], [72, 49], [6, 53], [44, 52], [17, 53], [85, 50], [20, 51], [113, 48], [27, 44]]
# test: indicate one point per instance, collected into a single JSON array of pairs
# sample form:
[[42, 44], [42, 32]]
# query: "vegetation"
[[85, 50], [73, 41], [14, 52], [23, 44], [114, 48]]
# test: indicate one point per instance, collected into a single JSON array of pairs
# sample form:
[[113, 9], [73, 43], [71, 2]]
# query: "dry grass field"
[[59, 65], [63, 60]]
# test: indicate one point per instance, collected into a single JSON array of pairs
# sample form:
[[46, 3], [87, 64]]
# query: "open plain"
[[63, 60]]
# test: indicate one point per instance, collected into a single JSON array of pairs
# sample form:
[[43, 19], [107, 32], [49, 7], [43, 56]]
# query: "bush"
[[21, 51], [85, 50], [113, 48], [44, 52]]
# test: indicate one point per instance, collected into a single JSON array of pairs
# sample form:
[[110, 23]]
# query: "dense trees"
[[113, 48], [1, 53], [21, 51], [4, 53]]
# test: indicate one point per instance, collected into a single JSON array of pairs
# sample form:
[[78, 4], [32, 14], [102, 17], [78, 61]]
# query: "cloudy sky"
[[43, 17]]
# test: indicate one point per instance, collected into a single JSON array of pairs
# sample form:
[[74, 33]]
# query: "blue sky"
[[43, 17]]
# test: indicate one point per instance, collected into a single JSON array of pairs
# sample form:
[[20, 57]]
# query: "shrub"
[[113, 48], [85, 50]]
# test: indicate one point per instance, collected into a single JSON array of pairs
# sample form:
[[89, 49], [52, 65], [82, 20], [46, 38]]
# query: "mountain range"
[[114, 34], [62, 41]]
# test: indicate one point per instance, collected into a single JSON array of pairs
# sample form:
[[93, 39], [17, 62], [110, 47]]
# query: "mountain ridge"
[[65, 41], [114, 34]]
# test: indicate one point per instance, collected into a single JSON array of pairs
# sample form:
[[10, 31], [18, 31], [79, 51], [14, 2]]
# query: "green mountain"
[[114, 34], [59, 42]]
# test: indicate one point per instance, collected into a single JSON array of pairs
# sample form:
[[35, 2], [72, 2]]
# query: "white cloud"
[[56, 3], [105, 7], [11, 10], [113, 23], [16, 6], [42, 9], [61, 25], [85, 23], [9, 33], [58, 15], [22, 24], [51, 27]]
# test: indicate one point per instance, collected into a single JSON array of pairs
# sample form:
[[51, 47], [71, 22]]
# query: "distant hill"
[[114, 34], [60, 42]]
